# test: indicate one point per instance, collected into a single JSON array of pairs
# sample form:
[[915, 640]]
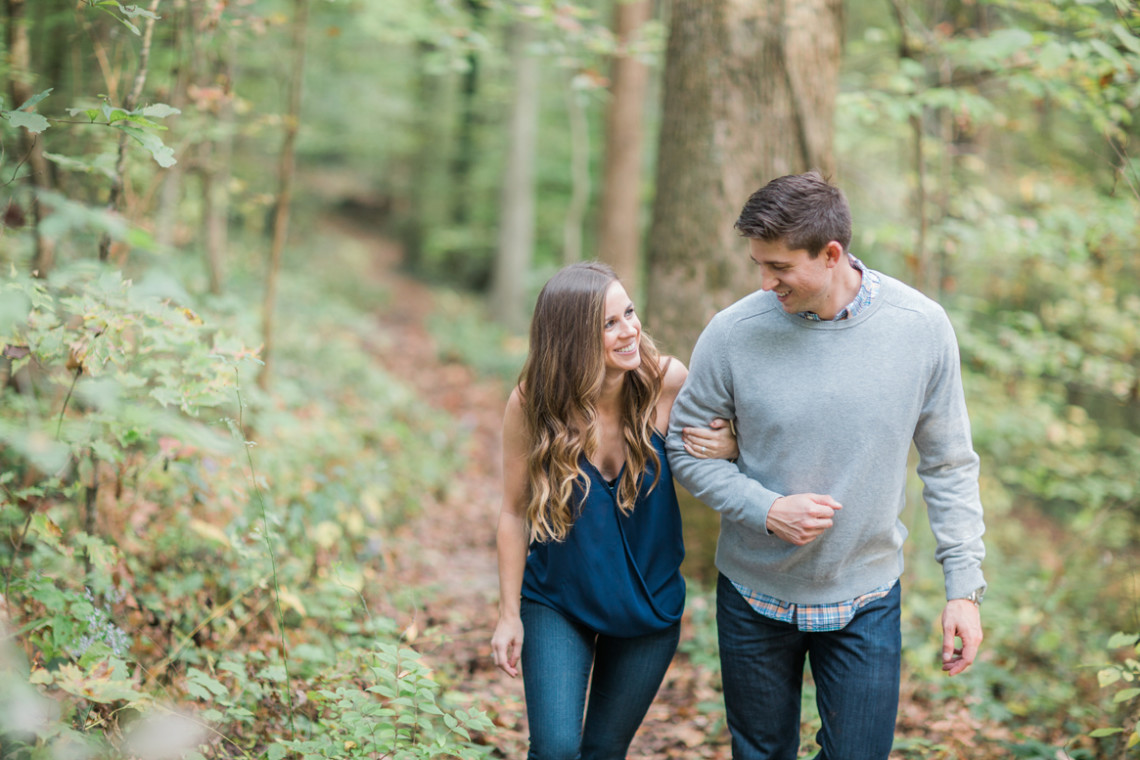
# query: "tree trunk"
[[579, 175], [619, 220], [424, 185], [465, 153], [216, 192], [185, 52], [29, 145], [118, 180], [285, 171], [217, 202], [750, 91], [516, 218]]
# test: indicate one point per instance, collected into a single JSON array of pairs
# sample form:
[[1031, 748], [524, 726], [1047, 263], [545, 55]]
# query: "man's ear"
[[833, 252]]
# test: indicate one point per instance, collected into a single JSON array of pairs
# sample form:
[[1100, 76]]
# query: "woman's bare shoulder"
[[675, 373]]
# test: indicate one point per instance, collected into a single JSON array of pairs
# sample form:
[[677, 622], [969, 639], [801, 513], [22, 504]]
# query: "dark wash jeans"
[[856, 673], [557, 657]]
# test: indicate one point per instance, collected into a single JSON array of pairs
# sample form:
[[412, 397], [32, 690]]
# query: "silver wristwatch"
[[976, 596]]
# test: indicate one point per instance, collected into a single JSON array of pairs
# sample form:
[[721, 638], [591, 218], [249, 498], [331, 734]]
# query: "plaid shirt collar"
[[868, 289]]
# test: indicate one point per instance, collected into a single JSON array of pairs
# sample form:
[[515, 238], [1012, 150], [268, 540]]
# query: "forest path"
[[444, 559]]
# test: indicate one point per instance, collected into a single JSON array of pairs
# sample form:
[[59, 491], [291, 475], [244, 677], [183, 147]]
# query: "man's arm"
[[707, 394], [949, 470]]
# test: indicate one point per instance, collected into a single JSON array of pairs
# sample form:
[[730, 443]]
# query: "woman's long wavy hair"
[[560, 384]]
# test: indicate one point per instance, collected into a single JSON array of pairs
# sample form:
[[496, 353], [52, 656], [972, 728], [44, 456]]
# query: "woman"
[[589, 533]]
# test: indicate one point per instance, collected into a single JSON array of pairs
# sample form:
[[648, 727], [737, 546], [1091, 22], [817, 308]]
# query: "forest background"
[[212, 471]]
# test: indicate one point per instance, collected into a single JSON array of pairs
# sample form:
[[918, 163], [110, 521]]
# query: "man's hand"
[[801, 518], [961, 621]]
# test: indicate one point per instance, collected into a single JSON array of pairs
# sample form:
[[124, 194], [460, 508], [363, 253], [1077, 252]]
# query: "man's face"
[[800, 282]]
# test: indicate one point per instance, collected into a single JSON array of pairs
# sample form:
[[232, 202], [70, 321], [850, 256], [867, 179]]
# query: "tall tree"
[[286, 169], [119, 177], [30, 146], [750, 89], [516, 220], [465, 153], [619, 228], [217, 173]]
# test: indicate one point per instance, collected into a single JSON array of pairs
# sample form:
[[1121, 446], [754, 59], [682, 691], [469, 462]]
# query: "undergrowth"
[[190, 563]]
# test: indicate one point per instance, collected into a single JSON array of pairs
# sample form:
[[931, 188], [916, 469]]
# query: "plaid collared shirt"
[[834, 616], [867, 292]]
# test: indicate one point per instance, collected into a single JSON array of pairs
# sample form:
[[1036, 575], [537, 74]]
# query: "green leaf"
[[1109, 53], [1125, 694], [1108, 676], [214, 687], [112, 114], [163, 155], [1121, 639], [276, 751], [1100, 733], [160, 111], [91, 113], [1125, 35], [32, 122], [103, 6], [31, 102], [79, 165], [133, 11]]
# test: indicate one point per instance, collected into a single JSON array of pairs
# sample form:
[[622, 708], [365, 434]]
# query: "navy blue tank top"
[[617, 574]]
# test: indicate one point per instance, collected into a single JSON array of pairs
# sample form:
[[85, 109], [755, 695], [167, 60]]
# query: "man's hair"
[[801, 210]]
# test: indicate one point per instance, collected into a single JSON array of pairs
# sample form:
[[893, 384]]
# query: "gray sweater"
[[832, 408]]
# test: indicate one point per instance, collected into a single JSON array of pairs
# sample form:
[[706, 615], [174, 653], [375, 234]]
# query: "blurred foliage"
[[136, 565], [465, 335]]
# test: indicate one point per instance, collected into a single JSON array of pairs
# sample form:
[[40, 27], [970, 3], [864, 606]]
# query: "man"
[[831, 370]]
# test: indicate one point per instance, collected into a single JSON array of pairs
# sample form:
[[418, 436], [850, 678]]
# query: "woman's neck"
[[609, 399]]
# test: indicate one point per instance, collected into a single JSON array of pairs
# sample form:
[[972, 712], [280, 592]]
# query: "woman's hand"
[[506, 645], [717, 441]]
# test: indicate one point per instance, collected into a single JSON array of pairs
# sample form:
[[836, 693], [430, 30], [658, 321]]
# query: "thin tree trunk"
[[285, 171], [185, 70], [217, 195], [619, 220], [919, 260], [579, 176], [118, 180], [29, 145], [516, 221], [918, 264], [424, 164], [749, 95], [91, 506], [464, 157]]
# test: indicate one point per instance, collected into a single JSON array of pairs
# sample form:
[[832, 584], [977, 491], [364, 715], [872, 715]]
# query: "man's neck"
[[848, 280]]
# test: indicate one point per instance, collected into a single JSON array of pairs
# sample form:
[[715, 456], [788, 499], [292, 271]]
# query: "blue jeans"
[[856, 672], [557, 657]]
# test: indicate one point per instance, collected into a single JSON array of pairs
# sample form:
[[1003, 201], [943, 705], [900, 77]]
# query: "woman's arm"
[[513, 539]]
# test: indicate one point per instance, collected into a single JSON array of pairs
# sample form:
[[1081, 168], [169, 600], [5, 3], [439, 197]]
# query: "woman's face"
[[621, 334]]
